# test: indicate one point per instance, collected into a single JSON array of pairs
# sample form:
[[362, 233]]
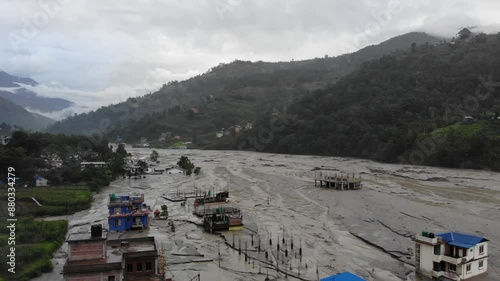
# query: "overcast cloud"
[[100, 52]]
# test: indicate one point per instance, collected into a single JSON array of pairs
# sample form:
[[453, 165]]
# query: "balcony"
[[449, 259]]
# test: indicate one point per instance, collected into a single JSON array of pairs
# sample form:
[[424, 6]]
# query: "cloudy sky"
[[96, 52]]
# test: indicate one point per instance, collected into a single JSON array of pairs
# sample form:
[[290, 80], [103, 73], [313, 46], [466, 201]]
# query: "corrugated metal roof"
[[346, 276], [461, 240]]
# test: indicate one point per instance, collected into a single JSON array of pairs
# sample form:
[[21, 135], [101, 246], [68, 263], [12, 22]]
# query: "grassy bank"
[[36, 241]]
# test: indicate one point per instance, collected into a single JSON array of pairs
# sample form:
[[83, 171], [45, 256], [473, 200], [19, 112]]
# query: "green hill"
[[226, 95], [406, 108]]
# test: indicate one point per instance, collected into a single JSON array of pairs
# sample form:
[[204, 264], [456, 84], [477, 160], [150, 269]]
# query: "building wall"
[[475, 270], [121, 227], [476, 250], [126, 223], [426, 263], [142, 261], [86, 250], [43, 182]]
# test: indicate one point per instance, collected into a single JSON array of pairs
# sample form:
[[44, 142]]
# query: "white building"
[[175, 170], [84, 165], [219, 134], [452, 255], [41, 181]]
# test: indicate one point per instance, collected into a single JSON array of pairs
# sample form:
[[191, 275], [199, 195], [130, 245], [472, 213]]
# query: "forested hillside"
[[433, 105], [226, 95], [13, 114]]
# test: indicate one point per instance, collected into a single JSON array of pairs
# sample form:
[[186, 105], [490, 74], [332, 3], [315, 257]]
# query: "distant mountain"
[[13, 114], [229, 94], [32, 100], [7, 80]]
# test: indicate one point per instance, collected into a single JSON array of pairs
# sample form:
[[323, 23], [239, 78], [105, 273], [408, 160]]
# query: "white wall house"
[[41, 181], [84, 165], [175, 171], [452, 255]]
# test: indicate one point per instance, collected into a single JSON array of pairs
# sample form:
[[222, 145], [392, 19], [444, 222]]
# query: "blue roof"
[[37, 177], [346, 276], [461, 240]]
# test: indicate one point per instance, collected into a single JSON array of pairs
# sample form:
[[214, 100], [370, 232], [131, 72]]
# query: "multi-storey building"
[[127, 213], [97, 257], [452, 255]]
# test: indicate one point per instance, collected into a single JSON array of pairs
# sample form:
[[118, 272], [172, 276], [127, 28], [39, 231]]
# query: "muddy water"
[[367, 232]]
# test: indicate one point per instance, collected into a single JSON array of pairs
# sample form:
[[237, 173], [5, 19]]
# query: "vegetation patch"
[[36, 241], [60, 200]]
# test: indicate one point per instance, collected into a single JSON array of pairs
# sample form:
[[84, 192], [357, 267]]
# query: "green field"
[[36, 241], [464, 130], [60, 200]]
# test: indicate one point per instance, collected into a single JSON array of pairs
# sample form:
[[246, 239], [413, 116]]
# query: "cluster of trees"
[[391, 107], [58, 158], [186, 164]]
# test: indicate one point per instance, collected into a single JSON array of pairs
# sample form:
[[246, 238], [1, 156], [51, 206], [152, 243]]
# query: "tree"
[[186, 164], [164, 212], [154, 156], [197, 170]]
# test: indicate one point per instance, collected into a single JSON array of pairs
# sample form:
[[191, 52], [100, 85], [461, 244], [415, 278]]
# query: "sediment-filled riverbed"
[[368, 232]]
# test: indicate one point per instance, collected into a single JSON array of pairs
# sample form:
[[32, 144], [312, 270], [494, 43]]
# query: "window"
[[437, 250], [481, 249], [139, 267], [117, 222], [468, 268], [117, 210], [481, 264], [148, 266], [111, 278], [130, 267], [453, 267]]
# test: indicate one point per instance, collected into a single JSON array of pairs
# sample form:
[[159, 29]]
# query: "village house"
[[219, 134], [84, 165], [40, 181], [237, 128], [248, 126], [175, 171], [127, 213], [96, 256], [468, 120], [452, 255]]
